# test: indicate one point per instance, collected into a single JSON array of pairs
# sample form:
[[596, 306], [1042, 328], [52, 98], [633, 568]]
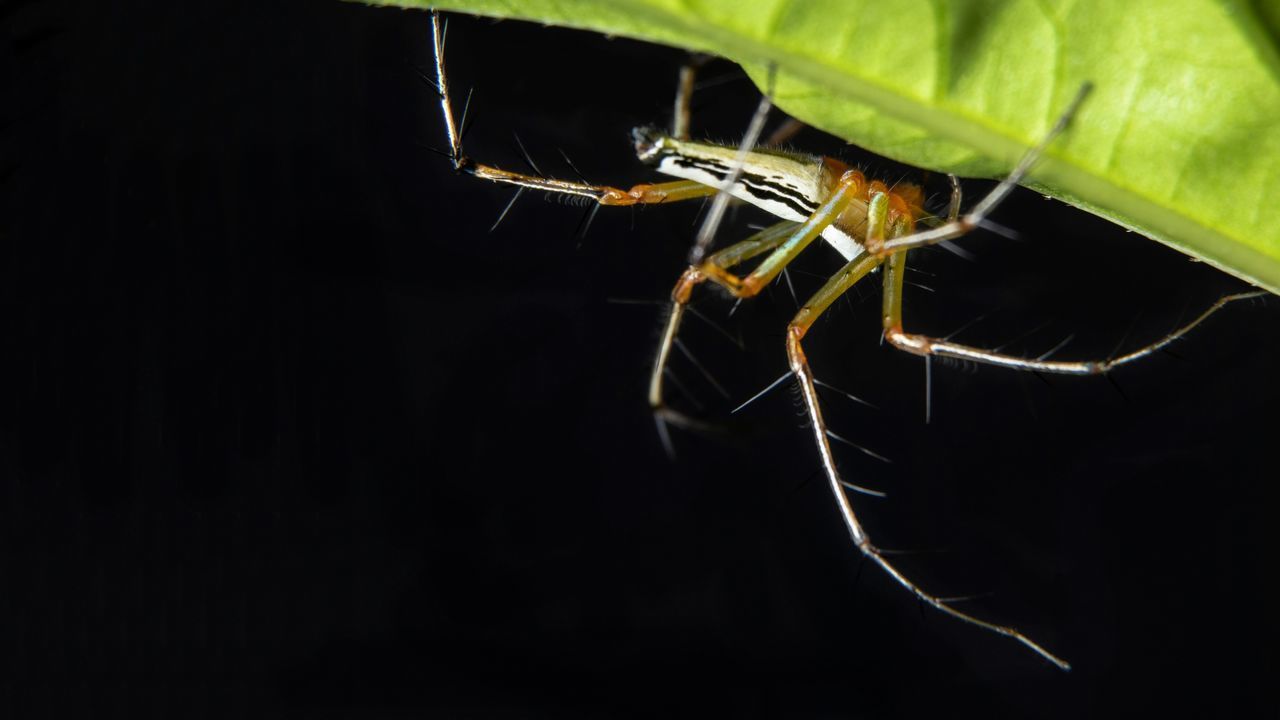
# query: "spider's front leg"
[[642, 194]]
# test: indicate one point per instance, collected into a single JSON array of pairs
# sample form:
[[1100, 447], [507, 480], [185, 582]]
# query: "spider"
[[873, 225]]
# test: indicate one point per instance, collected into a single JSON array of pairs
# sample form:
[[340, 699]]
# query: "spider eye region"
[[649, 142]]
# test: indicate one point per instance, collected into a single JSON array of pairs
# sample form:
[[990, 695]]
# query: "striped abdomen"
[[788, 185]]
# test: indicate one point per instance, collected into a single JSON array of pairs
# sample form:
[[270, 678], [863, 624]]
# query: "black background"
[[285, 429]]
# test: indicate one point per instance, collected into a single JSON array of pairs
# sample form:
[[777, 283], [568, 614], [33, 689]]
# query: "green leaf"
[[1180, 139]]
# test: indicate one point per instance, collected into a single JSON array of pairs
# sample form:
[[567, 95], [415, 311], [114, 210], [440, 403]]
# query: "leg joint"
[[738, 287], [795, 353], [915, 344], [691, 278]]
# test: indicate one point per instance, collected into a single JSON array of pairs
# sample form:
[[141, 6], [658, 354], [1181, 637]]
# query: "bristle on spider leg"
[[839, 438], [1125, 338], [847, 394], [958, 251], [967, 325], [1116, 384], [524, 154], [573, 167], [1023, 336], [736, 340], [702, 209], [467, 121], [433, 149], [502, 215], [424, 77], [861, 490], [1003, 231], [585, 223], [773, 385], [680, 386], [664, 437], [928, 389], [684, 350], [787, 276], [1054, 350]]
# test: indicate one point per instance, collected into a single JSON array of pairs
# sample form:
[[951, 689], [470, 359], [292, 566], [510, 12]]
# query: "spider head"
[[649, 142]]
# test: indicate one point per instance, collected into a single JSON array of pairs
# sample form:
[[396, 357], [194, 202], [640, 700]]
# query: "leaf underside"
[[1179, 139]]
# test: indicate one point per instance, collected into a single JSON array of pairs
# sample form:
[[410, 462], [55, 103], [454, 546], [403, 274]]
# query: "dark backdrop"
[[286, 429]]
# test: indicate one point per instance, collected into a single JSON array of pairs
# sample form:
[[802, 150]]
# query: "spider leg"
[[784, 242], [854, 271], [957, 226], [762, 242], [895, 252], [646, 193]]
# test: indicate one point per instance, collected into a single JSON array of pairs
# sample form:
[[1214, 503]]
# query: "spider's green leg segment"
[[786, 240], [846, 189], [762, 242]]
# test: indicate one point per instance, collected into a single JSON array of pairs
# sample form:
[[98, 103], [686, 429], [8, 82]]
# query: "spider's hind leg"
[[840, 283], [925, 345], [895, 253]]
